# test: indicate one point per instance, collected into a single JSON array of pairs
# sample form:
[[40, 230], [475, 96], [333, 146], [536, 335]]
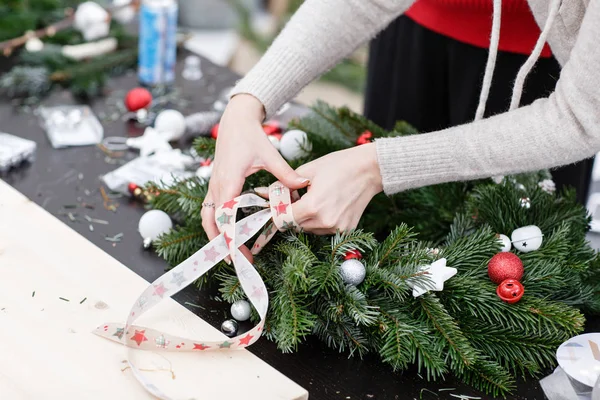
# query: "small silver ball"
[[229, 327], [240, 310], [353, 272], [147, 243]]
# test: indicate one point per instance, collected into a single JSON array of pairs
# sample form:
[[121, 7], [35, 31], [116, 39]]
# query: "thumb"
[[275, 164]]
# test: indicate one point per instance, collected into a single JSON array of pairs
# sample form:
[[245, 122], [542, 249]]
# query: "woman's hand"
[[342, 185], [242, 149]]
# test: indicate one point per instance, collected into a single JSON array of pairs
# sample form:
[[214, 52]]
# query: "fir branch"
[[205, 147], [180, 243], [343, 242], [388, 252]]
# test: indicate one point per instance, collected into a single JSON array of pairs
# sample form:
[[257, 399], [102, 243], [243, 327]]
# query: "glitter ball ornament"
[[170, 124], [525, 202], [353, 272], [153, 224], [137, 98], [240, 310], [364, 138], [505, 266], [528, 238], [353, 254], [229, 327], [510, 290], [548, 186], [505, 241], [294, 145]]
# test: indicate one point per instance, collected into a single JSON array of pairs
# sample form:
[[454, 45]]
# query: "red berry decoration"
[[353, 254], [510, 291], [364, 138], [505, 266], [214, 132], [131, 187], [271, 128], [138, 98]]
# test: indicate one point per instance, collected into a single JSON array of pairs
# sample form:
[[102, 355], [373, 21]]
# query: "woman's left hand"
[[341, 186]]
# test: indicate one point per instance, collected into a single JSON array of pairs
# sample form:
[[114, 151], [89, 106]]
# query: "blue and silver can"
[[157, 42]]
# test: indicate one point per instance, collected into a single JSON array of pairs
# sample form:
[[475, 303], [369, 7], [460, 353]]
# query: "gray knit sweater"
[[553, 131]]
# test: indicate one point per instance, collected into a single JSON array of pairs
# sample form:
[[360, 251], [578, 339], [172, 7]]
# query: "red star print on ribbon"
[[159, 290], [246, 340], [230, 204], [281, 208], [227, 239], [139, 337], [200, 346]]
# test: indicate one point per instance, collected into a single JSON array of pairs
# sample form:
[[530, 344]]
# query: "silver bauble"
[[229, 327], [240, 310], [353, 272]]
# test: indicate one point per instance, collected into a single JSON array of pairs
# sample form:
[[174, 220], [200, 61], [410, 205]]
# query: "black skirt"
[[433, 82]]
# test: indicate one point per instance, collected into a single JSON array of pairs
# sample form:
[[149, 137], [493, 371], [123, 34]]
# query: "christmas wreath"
[[483, 280]]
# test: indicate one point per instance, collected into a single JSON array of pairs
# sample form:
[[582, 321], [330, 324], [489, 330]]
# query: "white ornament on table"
[[353, 272], [92, 20], [437, 273], [294, 144], [240, 310], [123, 14], [170, 124], [173, 159], [34, 45], [548, 186], [153, 224], [14, 150], [151, 141], [275, 141], [191, 70], [527, 238], [505, 241], [204, 172]]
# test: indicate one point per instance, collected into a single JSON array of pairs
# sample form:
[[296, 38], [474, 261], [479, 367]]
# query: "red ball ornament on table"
[[364, 138], [353, 255], [138, 98], [505, 266], [510, 291]]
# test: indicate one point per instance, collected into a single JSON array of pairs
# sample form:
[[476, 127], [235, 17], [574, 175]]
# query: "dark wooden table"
[[71, 176]]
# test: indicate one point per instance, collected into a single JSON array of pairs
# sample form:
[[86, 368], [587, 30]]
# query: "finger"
[[247, 253], [275, 164], [304, 210], [262, 191]]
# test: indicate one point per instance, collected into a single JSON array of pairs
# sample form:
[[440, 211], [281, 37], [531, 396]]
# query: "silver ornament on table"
[[229, 327], [525, 202], [353, 272], [240, 310], [201, 123]]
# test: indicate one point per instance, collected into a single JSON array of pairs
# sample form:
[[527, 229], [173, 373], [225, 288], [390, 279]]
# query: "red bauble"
[[138, 98], [353, 254], [271, 127], [131, 187], [364, 138], [214, 132], [510, 291], [505, 266]]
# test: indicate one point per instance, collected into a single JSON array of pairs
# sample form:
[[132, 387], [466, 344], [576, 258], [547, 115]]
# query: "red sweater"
[[470, 21]]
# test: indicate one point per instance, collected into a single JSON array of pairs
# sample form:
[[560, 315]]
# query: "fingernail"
[[302, 181], [228, 260], [261, 190]]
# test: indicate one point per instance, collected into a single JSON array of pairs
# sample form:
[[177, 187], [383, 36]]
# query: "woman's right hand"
[[242, 149]]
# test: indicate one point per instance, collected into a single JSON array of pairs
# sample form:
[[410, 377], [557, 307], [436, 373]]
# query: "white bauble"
[[506, 245], [170, 124], [275, 141], [204, 172], [92, 20], [125, 14], [353, 272], [293, 143], [153, 224], [34, 45], [528, 238], [240, 310]]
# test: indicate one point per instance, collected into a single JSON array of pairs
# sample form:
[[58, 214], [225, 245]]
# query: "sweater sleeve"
[[554, 131], [317, 37]]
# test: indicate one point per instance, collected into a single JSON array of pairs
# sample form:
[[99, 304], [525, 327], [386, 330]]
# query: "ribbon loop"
[[276, 215]]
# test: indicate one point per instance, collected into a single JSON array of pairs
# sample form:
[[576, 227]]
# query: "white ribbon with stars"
[[277, 213]]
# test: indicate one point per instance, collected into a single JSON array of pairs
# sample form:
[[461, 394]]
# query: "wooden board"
[[47, 350]]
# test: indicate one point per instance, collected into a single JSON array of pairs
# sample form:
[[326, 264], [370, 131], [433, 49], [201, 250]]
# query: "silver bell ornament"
[[240, 310], [353, 272], [505, 241], [528, 238], [229, 327]]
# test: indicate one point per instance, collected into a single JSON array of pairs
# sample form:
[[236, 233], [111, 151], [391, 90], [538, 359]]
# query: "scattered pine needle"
[[63, 299], [194, 305], [427, 390], [464, 397], [33, 294], [82, 301], [446, 389]]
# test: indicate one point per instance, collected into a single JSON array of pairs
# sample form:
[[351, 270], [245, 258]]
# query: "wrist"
[[371, 166], [247, 105]]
